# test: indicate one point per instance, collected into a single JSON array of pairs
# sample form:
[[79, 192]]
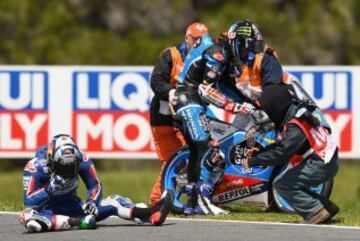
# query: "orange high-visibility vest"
[[177, 62]]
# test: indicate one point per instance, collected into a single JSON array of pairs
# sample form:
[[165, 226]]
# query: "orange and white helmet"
[[196, 29]]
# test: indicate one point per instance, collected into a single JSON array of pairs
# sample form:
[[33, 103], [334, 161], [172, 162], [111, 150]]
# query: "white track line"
[[264, 223], [9, 212], [239, 221]]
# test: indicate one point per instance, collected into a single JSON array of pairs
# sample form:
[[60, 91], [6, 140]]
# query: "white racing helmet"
[[64, 156]]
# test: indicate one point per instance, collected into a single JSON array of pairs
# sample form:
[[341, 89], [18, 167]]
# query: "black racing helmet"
[[244, 35], [64, 156], [276, 100]]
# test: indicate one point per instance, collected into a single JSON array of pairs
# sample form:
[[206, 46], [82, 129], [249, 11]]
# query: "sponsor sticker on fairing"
[[233, 194]]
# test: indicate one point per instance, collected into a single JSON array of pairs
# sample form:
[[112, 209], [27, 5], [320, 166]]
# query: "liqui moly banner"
[[336, 92], [106, 109]]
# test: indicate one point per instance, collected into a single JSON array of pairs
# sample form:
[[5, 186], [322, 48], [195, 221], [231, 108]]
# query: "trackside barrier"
[[107, 108]]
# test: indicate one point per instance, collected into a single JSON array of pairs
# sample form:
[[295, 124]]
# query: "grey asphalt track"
[[183, 230]]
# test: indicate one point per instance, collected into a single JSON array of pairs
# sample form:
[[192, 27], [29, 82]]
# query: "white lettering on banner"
[[38, 91], [104, 88], [123, 141], [83, 99], [136, 100], [113, 130], [31, 90], [29, 127], [6, 141], [338, 125], [334, 85], [341, 91], [113, 90], [94, 130]]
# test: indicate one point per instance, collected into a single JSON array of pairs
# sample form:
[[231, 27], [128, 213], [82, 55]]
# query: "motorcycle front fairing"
[[240, 185]]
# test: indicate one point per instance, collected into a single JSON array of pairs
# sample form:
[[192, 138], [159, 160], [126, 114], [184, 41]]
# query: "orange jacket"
[[177, 62]]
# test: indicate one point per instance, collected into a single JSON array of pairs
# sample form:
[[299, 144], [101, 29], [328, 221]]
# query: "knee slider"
[[34, 221]]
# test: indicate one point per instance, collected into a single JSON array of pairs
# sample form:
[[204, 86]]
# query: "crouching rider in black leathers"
[[306, 146]]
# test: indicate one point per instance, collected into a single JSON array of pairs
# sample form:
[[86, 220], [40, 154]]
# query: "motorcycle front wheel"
[[174, 178]]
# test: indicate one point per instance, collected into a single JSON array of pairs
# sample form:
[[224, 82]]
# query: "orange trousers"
[[167, 141]]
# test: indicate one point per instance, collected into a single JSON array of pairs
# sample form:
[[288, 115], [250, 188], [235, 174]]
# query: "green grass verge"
[[137, 186]]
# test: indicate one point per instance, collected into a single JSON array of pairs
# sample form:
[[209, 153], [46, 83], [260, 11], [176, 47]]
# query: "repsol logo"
[[234, 194]]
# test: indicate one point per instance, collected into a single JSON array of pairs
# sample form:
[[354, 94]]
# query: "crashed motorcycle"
[[238, 184]]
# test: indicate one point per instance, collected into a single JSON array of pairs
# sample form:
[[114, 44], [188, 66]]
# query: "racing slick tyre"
[[174, 178]]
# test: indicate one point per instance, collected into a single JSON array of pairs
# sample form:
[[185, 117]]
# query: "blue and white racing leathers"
[[55, 209]]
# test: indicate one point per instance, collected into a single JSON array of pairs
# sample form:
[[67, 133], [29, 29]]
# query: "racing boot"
[[140, 213], [324, 215], [156, 214], [190, 191], [333, 209], [123, 205], [35, 221], [204, 203], [35, 226], [162, 208]]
